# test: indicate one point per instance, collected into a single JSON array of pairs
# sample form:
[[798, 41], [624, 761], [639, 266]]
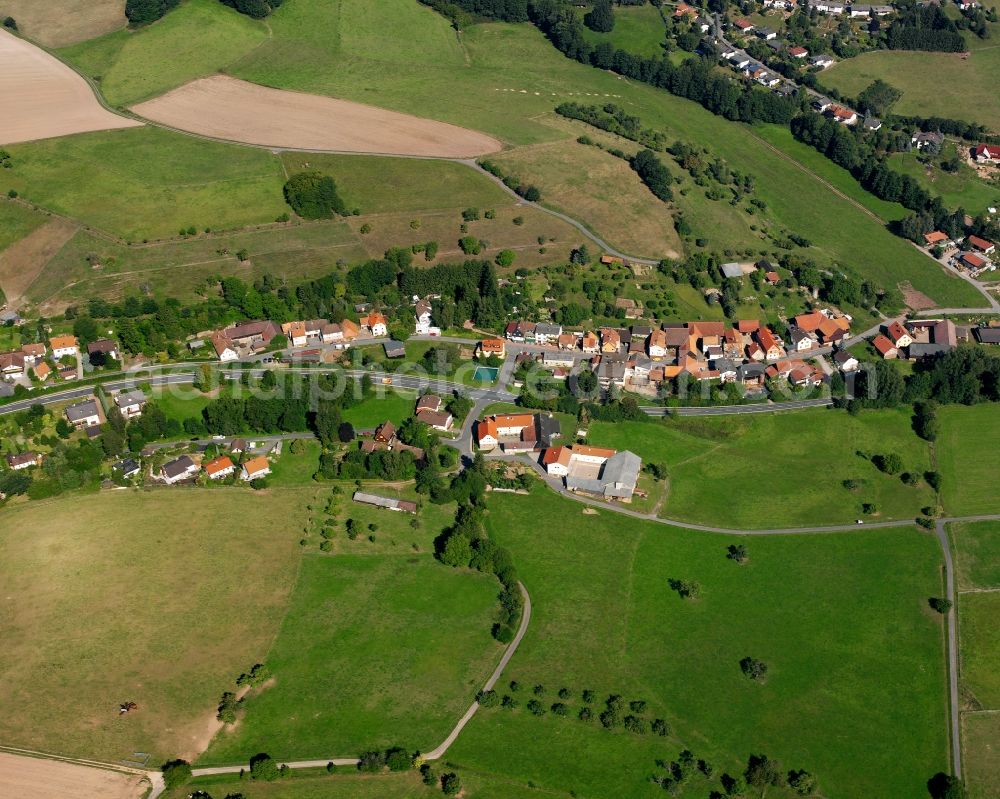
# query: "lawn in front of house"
[[841, 621], [375, 651], [778, 470]]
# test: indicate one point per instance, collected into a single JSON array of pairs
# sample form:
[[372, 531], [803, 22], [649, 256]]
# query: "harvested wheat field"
[[43, 98], [22, 261], [227, 108], [57, 23], [32, 778]]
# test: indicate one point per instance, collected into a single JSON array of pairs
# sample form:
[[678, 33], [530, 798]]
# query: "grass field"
[[594, 186], [199, 38], [16, 222], [960, 189], [295, 468], [408, 184], [980, 649], [147, 182], [968, 451], [933, 84], [981, 761], [171, 635], [348, 784], [638, 29], [841, 620], [977, 551], [395, 406], [730, 472], [374, 651]]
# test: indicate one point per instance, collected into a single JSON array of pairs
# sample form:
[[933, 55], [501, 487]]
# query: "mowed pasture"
[[933, 84], [221, 107], [44, 98], [980, 649], [159, 598], [778, 470], [968, 453], [981, 755], [601, 190], [374, 651], [977, 554], [57, 23], [22, 261], [198, 38], [147, 182], [638, 29], [841, 620]]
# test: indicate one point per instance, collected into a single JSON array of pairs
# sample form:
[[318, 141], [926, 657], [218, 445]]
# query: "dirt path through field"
[[221, 107], [32, 778], [24, 260], [43, 98]]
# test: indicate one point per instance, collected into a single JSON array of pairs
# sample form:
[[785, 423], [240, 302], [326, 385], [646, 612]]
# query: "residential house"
[[495, 347], [845, 361], [62, 346], [68, 373], [42, 371], [546, 333], [255, 469], [656, 344], [898, 335], [769, 343], [422, 317], [743, 25], [822, 61], [884, 347], [178, 469], [751, 375], [376, 324], [611, 371], [682, 10], [84, 414], [936, 239], [295, 332], [218, 468], [590, 343], [429, 402], [331, 333], [986, 153], [224, 349], [872, 123], [801, 340], [23, 460], [981, 245], [521, 332], [767, 34], [129, 467], [740, 60], [103, 349], [33, 353], [798, 52], [439, 420], [772, 278], [845, 116], [130, 403], [521, 432], [611, 340], [932, 140], [11, 365]]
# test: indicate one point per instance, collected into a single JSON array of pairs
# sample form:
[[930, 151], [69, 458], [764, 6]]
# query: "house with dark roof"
[[178, 469], [84, 414]]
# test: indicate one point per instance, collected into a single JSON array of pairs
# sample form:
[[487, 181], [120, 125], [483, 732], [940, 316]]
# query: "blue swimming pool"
[[485, 374]]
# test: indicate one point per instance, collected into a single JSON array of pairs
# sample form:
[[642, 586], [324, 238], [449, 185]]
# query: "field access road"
[[437, 752]]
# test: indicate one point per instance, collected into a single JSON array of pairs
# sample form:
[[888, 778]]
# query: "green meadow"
[[968, 453], [638, 29], [778, 470], [197, 39], [980, 649], [374, 651], [977, 554], [841, 620]]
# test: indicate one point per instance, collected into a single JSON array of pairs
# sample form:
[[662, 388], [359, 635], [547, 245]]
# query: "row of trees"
[[142, 12], [258, 9]]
